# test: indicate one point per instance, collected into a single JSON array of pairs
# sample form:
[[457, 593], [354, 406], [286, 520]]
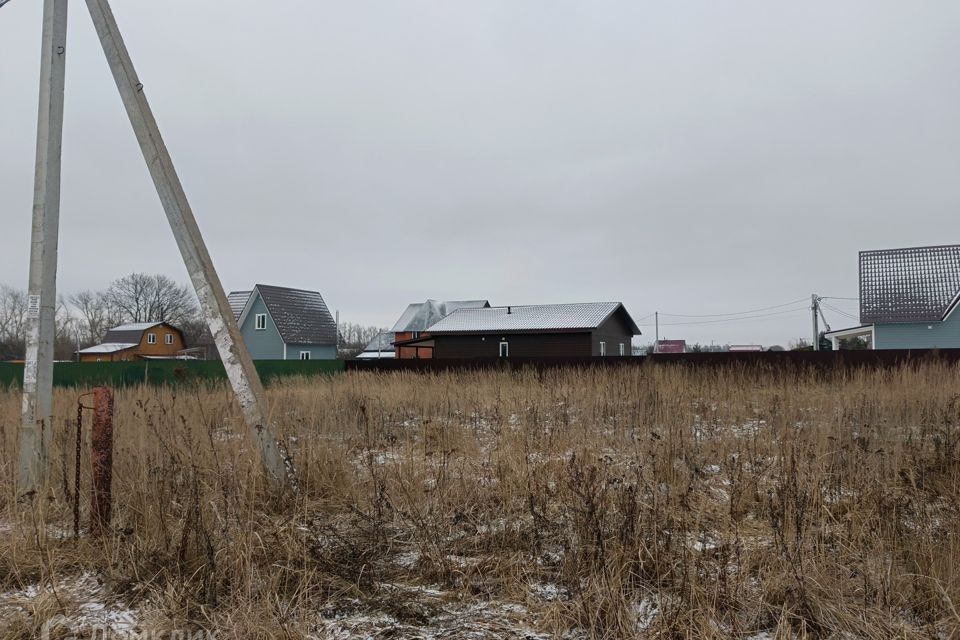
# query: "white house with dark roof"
[[908, 299], [279, 323]]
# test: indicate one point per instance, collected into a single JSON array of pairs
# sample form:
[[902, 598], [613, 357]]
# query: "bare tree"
[[354, 337], [13, 309], [140, 297], [96, 314]]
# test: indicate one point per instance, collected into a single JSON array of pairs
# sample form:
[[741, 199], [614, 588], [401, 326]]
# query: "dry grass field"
[[648, 502]]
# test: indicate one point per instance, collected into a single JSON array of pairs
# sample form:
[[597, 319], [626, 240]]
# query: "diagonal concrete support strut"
[[213, 301]]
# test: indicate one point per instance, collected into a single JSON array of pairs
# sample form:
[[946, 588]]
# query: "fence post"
[[102, 460]]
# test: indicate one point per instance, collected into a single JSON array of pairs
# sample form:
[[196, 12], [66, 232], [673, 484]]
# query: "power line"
[[841, 312], [838, 298], [737, 319], [735, 313]]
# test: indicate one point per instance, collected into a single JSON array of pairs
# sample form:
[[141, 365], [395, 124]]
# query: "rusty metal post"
[[101, 458]]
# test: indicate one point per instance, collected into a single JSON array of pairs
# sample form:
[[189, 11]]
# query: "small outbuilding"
[[380, 348], [531, 331]]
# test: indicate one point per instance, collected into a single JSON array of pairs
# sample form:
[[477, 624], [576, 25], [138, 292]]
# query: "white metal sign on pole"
[[37, 410], [213, 301]]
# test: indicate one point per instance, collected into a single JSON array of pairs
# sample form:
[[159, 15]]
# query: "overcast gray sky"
[[689, 157]]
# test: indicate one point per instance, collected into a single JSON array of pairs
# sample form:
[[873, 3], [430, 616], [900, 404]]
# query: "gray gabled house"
[[279, 323]]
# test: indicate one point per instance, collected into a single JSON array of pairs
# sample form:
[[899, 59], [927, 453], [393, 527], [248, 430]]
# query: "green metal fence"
[[83, 374]]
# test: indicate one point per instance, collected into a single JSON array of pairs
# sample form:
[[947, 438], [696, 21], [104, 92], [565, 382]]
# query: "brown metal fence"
[[790, 359]]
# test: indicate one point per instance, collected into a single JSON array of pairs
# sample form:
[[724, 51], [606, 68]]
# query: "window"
[[260, 322], [168, 339], [151, 338], [304, 355], [504, 349], [622, 351], [603, 348]]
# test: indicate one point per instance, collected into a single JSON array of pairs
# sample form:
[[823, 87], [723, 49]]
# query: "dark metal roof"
[[582, 316], [917, 284], [301, 317]]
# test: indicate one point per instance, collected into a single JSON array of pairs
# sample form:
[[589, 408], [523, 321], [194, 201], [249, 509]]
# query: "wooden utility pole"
[[37, 408], [213, 301]]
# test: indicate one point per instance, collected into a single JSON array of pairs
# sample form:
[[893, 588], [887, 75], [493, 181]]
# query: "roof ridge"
[[276, 286], [526, 306]]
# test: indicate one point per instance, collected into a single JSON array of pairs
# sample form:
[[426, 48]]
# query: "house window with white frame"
[[623, 351], [504, 349], [151, 338], [304, 355], [168, 339], [603, 348], [260, 322]]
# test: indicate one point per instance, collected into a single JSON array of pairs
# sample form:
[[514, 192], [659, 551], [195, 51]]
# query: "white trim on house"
[[950, 309], [256, 322], [151, 338], [168, 338], [603, 348], [504, 353], [305, 355], [867, 330]]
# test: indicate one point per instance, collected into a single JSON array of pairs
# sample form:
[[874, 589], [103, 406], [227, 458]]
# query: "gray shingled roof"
[[542, 317], [301, 317], [238, 300], [420, 315], [917, 284], [128, 333]]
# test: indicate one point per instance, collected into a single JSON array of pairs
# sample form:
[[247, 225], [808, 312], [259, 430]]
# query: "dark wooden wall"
[[522, 345]]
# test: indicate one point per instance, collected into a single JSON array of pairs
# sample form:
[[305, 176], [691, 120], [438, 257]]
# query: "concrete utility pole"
[[815, 308], [656, 331], [37, 409], [213, 301]]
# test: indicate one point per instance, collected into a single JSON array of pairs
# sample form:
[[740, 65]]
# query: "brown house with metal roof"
[[532, 331], [138, 341]]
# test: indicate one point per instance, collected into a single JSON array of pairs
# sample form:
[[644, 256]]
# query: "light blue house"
[[908, 299], [278, 323]]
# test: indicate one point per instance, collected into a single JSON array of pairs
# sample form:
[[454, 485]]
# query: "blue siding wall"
[[317, 351], [265, 344], [920, 335]]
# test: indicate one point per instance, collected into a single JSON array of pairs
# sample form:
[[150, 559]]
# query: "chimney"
[[509, 311]]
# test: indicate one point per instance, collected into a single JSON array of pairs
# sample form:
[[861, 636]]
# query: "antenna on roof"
[[509, 310]]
